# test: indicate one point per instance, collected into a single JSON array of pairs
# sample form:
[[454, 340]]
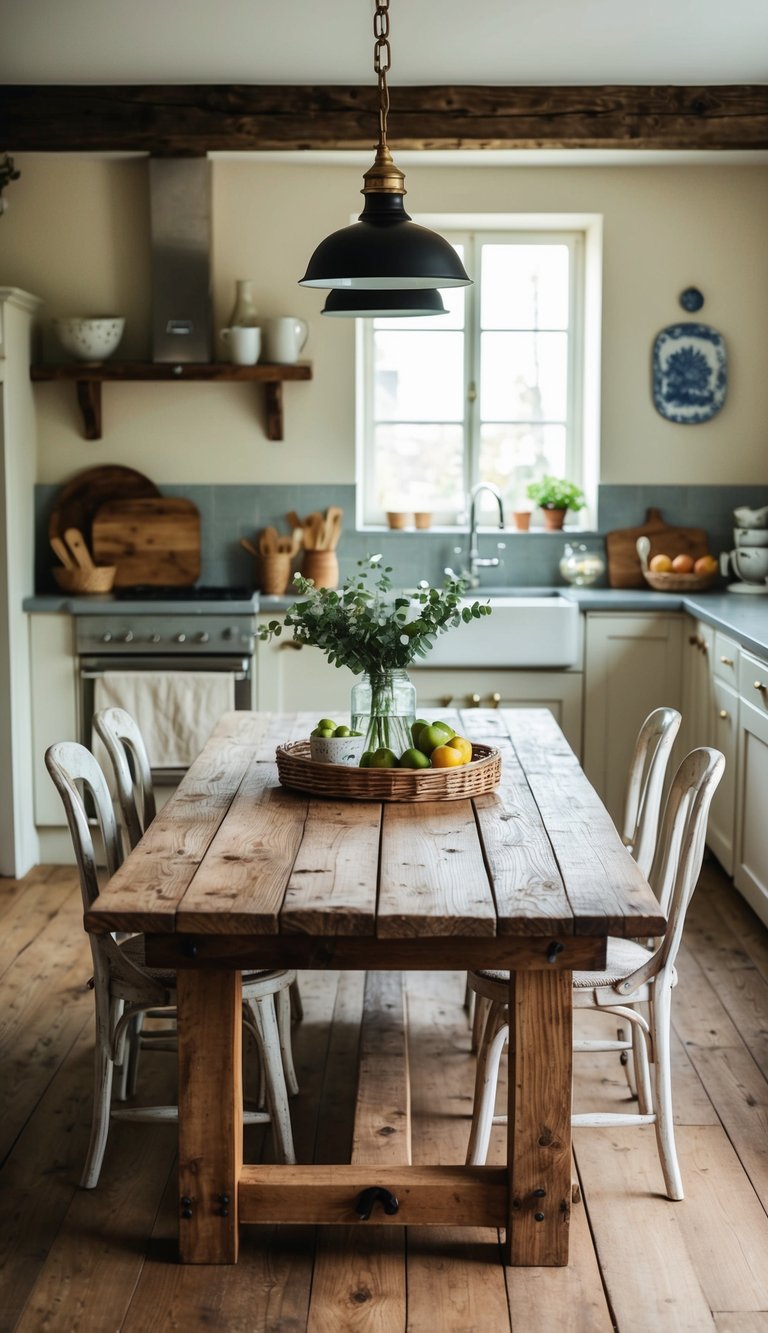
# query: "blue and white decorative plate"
[[689, 373]]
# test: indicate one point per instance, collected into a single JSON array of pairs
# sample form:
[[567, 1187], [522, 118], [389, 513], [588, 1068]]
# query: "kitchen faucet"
[[476, 561]]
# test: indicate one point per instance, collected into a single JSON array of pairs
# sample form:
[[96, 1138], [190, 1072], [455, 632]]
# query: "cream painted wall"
[[77, 233]]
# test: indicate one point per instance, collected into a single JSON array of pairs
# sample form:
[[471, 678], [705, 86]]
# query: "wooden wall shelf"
[[89, 377]]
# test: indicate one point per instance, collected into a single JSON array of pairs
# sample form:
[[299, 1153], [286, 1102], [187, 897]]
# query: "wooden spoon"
[[293, 520], [333, 518], [76, 543], [268, 541], [249, 547], [314, 528], [62, 552]]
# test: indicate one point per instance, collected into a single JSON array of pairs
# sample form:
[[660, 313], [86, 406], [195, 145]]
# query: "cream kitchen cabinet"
[[293, 677], [462, 688], [632, 665], [751, 846], [697, 705], [54, 706]]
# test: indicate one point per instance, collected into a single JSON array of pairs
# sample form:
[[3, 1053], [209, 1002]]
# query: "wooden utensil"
[[314, 528], [268, 541], [333, 518], [297, 539], [76, 543], [249, 547], [60, 549], [293, 519]]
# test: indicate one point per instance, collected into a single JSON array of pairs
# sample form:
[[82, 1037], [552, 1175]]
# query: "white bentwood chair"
[[124, 744], [125, 986], [633, 974], [640, 823]]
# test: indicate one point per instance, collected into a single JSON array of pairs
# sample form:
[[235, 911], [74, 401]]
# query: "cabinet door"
[[293, 677], [54, 705], [724, 736], [751, 858], [696, 728], [559, 691], [633, 665]]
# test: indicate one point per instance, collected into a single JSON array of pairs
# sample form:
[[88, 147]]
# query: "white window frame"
[[583, 234]]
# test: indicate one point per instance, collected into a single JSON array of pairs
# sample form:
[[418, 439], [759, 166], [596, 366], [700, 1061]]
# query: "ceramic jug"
[[284, 338]]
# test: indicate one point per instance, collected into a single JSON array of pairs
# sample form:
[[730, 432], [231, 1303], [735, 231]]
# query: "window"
[[490, 391]]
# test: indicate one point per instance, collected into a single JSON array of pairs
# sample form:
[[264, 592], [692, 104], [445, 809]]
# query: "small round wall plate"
[[689, 373], [691, 299]]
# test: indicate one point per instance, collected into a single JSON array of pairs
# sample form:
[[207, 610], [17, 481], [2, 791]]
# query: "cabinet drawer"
[[725, 659], [753, 681]]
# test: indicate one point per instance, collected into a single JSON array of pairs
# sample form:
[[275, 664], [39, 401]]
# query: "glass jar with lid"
[[581, 564]]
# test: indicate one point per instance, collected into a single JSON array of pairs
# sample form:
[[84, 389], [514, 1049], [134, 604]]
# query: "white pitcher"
[[284, 338]]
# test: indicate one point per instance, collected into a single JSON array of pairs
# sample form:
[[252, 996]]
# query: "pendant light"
[[384, 250], [373, 305]]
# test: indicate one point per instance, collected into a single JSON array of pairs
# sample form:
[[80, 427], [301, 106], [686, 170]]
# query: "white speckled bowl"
[[89, 338], [337, 750]]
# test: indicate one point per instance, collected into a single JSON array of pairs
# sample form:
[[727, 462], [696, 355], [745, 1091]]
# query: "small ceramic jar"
[[337, 750]]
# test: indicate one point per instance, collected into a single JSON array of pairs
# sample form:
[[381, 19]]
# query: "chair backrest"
[[679, 853], [73, 768], [645, 784], [128, 756]]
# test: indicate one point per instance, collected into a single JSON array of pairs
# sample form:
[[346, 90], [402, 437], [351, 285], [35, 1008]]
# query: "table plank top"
[[235, 854]]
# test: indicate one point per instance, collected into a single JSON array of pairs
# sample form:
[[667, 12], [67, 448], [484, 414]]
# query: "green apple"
[[342, 731], [383, 758], [413, 759], [325, 732], [437, 733], [365, 759], [326, 722], [416, 728]]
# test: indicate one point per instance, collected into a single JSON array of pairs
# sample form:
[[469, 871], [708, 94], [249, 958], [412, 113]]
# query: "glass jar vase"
[[580, 564], [384, 708]]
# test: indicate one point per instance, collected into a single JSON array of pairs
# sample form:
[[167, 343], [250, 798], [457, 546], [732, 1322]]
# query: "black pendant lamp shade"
[[384, 250], [374, 304]]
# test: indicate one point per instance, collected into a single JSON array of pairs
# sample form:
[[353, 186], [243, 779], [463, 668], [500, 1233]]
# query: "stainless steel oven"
[[137, 647]]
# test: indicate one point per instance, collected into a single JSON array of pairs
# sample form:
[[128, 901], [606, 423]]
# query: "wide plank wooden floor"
[[105, 1259]]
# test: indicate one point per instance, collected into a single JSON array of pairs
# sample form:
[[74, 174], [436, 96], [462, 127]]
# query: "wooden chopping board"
[[79, 498], [151, 541], [623, 561]]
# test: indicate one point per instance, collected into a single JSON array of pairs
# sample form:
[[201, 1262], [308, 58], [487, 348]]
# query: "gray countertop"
[[743, 617]]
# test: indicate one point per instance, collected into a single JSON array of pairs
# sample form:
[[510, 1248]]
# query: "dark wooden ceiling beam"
[[184, 120]]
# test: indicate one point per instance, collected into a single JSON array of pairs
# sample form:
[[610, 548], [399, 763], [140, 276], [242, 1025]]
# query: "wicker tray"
[[296, 770], [679, 582]]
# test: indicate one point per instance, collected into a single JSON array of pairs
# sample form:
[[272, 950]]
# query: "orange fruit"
[[683, 564], [463, 746], [706, 564], [445, 756], [660, 564]]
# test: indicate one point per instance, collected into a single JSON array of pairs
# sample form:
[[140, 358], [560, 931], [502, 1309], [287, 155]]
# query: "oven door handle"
[[97, 675], [93, 668]]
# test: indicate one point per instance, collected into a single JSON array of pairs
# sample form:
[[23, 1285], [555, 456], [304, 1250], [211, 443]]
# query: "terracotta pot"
[[554, 519], [522, 519]]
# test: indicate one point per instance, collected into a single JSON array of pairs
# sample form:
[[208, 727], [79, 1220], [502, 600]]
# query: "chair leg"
[[283, 1006], [262, 1012], [297, 1008], [478, 1020], [103, 1070], [486, 1080], [134, 1052], [629, 1068], [661, 1009]]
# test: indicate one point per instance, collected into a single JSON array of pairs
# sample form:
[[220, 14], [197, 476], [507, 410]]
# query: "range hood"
[[180, 223]]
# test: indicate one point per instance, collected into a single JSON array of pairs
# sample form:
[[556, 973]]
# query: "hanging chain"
[[382, 59]]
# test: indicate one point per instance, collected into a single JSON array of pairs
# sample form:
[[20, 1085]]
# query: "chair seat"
[[622, 958], [134, 949]]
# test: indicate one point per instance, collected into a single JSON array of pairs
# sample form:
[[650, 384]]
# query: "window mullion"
[[472, 366]]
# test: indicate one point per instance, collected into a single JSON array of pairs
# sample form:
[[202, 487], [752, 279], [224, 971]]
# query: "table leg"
[[210, 1114], [539, 1117]]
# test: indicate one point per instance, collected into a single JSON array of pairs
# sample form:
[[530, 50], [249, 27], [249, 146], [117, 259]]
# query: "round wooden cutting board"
[[76, 503]]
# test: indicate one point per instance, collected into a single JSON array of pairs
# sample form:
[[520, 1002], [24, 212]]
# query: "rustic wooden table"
[[237, 872]]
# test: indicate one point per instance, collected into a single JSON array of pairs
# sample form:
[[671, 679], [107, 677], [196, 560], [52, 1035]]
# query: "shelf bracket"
[[274, 390], [89, 399]]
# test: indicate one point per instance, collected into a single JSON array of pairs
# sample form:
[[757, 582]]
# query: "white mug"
[[284, 338], [244, 344]]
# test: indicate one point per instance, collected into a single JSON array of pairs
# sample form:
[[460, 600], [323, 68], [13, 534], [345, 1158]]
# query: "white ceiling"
[[433, 41]]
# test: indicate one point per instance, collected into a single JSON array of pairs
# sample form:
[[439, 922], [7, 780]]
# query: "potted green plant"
[[377, 631], [554, 496]]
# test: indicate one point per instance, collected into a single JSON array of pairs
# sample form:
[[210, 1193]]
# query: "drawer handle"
[[723, 714], [292, 644], [446, 701], [727, 661], [759, 685], [473, 700], [703, 647], [495, 699]]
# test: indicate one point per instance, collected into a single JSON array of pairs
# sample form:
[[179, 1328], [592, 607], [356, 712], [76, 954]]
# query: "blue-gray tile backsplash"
[[527, 560]]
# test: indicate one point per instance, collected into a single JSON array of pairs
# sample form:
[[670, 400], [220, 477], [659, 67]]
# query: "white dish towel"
[[176, 711]]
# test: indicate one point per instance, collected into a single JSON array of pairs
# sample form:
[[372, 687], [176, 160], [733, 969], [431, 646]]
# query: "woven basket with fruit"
[[680, 573]]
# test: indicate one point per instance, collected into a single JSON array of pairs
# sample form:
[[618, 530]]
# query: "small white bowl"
[[751, 518], [89, 338], [750, 536], [337, 750]]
